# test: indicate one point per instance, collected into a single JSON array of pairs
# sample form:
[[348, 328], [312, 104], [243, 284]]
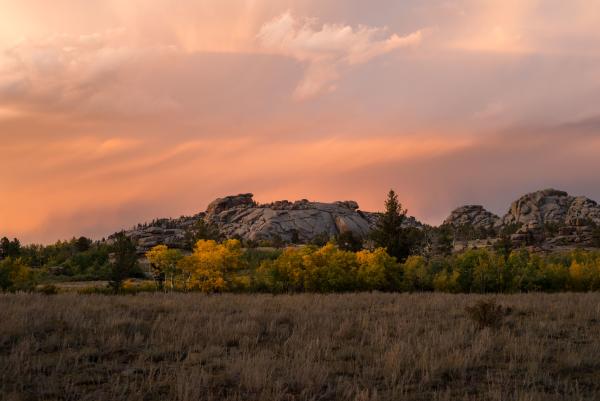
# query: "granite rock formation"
[[545, 219], [475, 216], [553, 217], [240, 216], [300, 221]]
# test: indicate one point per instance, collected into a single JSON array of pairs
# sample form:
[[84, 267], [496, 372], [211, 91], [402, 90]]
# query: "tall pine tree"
[[124, 263], [390, 234]]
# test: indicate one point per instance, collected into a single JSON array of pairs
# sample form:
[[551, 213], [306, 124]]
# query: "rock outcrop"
[[553, 217], [552, 207], [301, 221], [475, 216], [240, 216], [170, 232], [544, 219]]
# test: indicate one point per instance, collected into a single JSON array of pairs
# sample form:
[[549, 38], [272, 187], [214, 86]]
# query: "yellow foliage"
[[579, 276], [241, 282], [416, 275], [446, 281], [287, 272], [208, 266], [164, 262], [372, 268], [329, 269]]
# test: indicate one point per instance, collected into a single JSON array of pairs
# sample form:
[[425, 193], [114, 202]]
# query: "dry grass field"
[[302, 347]]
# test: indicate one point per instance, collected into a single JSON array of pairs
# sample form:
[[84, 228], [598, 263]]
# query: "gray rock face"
[[240, 216], [553, 207], [553, 217], [475, 216]]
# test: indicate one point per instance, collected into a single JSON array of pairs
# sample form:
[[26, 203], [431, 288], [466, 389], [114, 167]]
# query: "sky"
[[114, 112]]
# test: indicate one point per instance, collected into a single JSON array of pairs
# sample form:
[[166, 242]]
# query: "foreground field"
[[302, 347]]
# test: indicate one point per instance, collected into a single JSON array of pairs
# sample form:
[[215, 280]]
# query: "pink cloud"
[[328, 48], [83, 72]]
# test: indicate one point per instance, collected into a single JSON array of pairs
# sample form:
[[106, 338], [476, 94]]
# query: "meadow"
[[360, 346]]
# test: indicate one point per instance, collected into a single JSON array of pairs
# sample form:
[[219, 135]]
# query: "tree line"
[[394, 258], [214, 267]]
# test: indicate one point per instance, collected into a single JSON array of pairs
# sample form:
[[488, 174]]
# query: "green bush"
[[15, 275]]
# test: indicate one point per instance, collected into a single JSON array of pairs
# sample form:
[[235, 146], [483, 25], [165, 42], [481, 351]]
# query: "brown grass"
[[302, 347]]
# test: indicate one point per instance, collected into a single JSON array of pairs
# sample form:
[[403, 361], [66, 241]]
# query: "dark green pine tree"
[[124, 262], [389, 233], [443, 243], [10, 249]]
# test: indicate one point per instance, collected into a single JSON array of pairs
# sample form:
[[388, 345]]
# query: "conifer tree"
[[390, 234], [124, 263]]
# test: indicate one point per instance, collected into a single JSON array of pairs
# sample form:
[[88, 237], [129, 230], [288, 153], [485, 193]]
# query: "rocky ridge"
[[546, 219], [239, 216]]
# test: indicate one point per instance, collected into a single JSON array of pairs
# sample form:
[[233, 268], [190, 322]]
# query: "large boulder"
[[230, 202], [475, 216], [537, 208]]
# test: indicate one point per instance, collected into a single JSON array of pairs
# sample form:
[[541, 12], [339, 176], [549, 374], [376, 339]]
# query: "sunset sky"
[[114, 112]]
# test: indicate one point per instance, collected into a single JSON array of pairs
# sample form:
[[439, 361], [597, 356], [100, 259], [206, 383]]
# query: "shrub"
[[15, 275], [347, 241], [416, 274], [48, 289], [330, 269], [486, 313]]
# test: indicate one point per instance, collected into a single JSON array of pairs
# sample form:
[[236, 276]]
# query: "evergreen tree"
[[389, 233], [83, 244], [124, 263], [10, 249], [443, 241], [4, 247]]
